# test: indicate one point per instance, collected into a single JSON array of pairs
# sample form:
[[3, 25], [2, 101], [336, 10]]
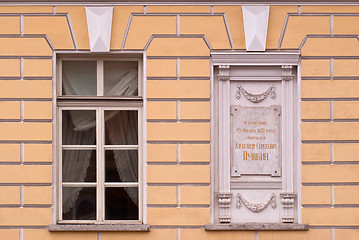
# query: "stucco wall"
[[178, 41]]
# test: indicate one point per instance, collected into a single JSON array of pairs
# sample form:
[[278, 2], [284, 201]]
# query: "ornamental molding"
[[256, 207], [288, 200], [224, 203], [256, 98], [287, 72], [99, 25], [223, 74], [255, 19]]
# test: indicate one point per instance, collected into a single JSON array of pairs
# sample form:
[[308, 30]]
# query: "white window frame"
[[100, 79], [100, 104]]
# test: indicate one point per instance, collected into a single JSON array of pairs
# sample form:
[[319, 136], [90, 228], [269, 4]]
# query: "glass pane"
[[121, 127], [79, 78], [79, 127], [121, 166], [120, 78], [121, 203], [79, 203], [79, 165]]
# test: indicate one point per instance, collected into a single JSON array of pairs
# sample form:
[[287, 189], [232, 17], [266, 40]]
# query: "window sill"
[[257, 227], [99, 227]]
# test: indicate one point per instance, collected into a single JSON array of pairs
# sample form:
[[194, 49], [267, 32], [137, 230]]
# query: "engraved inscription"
[[255, 140]]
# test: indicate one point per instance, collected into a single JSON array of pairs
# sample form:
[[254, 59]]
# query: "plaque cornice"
[[240, 58]]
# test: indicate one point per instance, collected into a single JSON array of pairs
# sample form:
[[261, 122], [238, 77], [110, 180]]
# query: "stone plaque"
[[256, 140]]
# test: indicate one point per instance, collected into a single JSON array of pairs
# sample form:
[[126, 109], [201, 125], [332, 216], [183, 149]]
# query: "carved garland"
[[256, 98], [256, 207]]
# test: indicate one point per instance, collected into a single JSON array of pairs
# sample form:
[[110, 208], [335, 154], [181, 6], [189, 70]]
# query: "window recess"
[[99, 141]]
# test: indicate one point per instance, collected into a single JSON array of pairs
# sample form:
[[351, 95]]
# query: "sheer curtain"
[[80, 128], [123, 128], [75, 162]]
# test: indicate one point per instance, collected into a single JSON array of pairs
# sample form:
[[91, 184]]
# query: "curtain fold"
[[127, 86], [123, 128], [75, 162]]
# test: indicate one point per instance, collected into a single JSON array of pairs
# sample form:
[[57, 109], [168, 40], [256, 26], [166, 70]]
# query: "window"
[[99, 140]]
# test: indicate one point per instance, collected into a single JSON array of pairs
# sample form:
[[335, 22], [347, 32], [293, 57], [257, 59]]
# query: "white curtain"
[[122, 129], [74, 162], [127, 86]]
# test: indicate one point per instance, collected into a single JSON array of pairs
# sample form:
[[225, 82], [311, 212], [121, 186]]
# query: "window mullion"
[[59, 149], [102, 160], [100, 165], [102, 112], [140, 186], [100, 78]]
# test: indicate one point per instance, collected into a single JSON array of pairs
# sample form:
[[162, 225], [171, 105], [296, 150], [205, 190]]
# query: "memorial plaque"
[[256, 140]]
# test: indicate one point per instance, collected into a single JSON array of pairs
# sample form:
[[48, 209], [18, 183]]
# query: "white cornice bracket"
[[99, 24], [255, 20]]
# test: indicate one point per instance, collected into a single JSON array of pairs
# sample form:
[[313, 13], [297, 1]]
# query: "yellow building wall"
[[178, 114]]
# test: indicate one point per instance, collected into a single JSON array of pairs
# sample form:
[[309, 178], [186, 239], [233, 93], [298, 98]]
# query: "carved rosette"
[[223, 73], [288, 200], [224, 203], [287, 72]]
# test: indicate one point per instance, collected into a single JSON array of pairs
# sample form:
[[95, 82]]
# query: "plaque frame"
[[273, 67]]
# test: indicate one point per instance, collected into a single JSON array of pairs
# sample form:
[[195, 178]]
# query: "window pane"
[[121, 203], [121, 127], [121, 166], [79, 165], [79, 127], [79, 78], [79, 203], [120, 78]]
